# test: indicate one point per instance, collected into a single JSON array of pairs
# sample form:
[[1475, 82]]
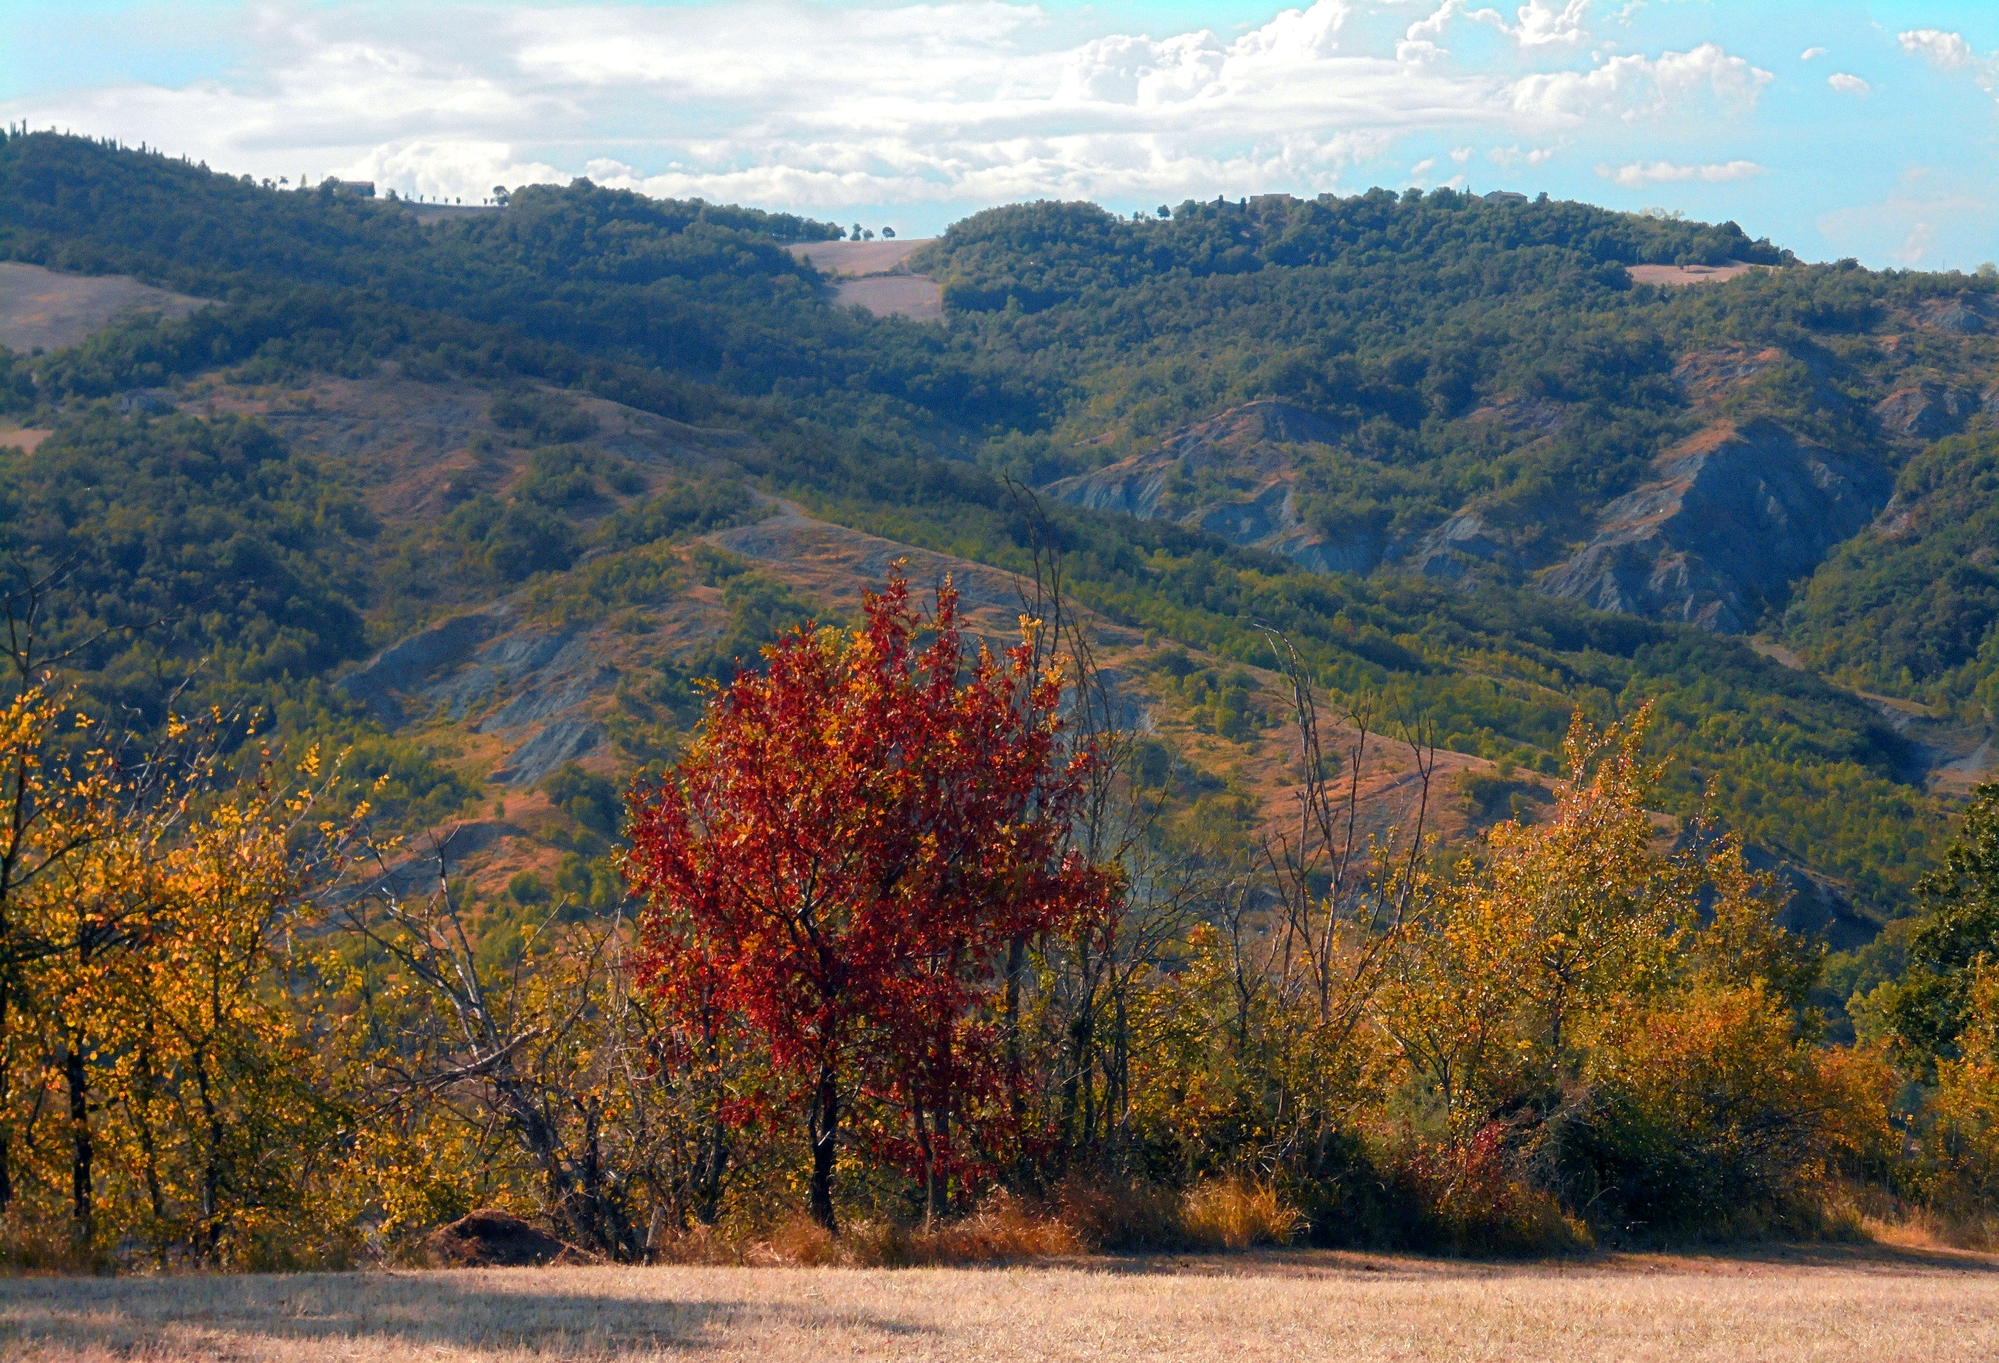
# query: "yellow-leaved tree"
[[163, 1083], [1609, 1021]]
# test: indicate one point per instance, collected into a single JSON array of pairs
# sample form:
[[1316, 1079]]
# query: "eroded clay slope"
[[1234, 476], [1731, 517]]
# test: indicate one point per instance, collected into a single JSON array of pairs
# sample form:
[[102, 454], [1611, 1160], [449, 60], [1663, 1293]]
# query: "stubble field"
[[1780, 1304]]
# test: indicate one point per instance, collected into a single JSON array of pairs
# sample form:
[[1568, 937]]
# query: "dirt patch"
[[23, 438], [857, 257], [1710, 375], [875, 275], [411, 442], [909, 295], [1689, 274], [50, 310], [834, 565]]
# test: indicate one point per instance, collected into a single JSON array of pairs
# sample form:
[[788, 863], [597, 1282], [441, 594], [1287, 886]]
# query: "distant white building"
[[362, 189]]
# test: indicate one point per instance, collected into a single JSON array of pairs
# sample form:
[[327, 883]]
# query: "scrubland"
[[1780, 1304]]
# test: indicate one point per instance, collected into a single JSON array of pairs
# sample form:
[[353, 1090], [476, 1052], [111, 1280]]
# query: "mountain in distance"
[[483, 496]]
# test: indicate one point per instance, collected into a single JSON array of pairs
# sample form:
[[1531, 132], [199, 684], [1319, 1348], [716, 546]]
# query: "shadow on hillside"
[[413, 1313]]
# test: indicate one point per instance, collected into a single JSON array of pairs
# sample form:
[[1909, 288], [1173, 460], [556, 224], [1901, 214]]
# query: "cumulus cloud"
[[1950, 52], [1945, 49], [1537, 23], [1636, 87], [1931, 210], [1848, 84], [1809, 53], [818, 107], [1640, 173]]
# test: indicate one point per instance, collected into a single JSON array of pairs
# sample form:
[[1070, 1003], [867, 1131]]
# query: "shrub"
[[1234, 1213], [1471, 1197], [1710, 1111]]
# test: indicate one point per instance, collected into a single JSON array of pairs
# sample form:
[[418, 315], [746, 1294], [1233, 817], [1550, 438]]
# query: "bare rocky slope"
[[1730, 519], [1234, 476]]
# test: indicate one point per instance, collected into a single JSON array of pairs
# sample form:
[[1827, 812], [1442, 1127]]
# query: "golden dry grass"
[[1818, 1304]]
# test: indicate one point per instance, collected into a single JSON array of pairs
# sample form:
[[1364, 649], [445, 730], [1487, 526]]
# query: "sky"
[[1837, 129]]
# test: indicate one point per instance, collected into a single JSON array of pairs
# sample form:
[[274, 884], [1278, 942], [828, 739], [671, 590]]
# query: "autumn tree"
[[171, 1092], [841, 862]]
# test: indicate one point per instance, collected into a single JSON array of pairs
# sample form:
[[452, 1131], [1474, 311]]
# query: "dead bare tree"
[[1084, 981], [1343, 896], [1344, 893], [526, 1048]]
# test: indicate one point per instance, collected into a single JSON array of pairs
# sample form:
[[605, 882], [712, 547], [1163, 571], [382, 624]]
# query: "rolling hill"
[[484, 496]]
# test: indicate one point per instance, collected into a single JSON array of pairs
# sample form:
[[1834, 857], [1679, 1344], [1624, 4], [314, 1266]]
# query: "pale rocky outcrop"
[[1967, 314], [1249, 448], [1731, 517], [1458, 546], [1926, 411]]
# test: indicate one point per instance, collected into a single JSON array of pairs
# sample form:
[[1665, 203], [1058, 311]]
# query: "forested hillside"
[[1485, 379]]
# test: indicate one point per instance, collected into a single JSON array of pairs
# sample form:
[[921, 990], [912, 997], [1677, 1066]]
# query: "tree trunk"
[[825, 1144], [710, 1167], [140, 1104], [211, 1172], [937, 1200], [6, 1096], [81, 1150], [1016, 966], [929, 1155]]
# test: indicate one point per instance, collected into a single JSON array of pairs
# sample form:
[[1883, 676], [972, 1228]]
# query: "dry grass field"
[[50, 309], [1819, 1304], [858, 257]]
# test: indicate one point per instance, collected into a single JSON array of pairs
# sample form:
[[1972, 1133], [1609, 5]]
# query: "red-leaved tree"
[[839, 865]]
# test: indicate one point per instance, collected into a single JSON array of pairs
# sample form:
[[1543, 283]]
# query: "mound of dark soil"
[[494, 1239]]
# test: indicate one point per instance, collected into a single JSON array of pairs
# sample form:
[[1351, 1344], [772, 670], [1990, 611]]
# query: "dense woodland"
[[1142, 1016]]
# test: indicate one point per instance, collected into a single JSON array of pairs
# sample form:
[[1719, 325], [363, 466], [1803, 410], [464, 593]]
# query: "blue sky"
[[1836, 128]]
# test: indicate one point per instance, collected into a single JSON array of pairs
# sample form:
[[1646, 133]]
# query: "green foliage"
[[183, 543], [569, 475], [682, 510], [591, 799], [1955, 939], [760, 610], [1912, 610], [551, 418], [1464, 351], [514, 539]]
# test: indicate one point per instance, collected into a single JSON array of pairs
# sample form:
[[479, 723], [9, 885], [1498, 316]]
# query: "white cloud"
[[1929, 208], [1638, 86], [1950, 52], [817, 107], [1944, 49], [1542, 25], [1538, 23], [1810, 53], [1666, 172], [1916, 245], [1848, 84]]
